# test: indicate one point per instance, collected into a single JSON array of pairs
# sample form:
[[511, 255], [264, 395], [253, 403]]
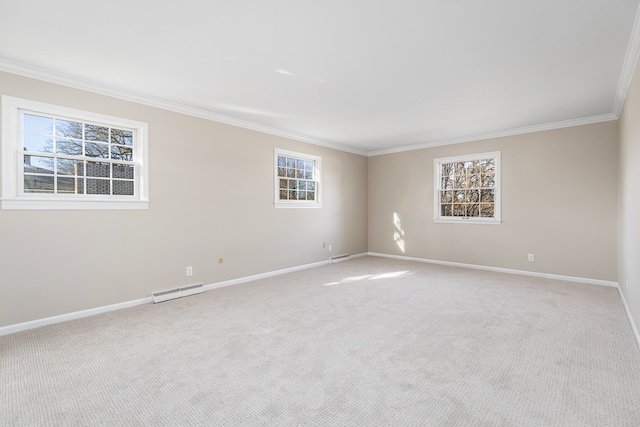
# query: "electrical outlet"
[[189, 271], [330, 248], [324, 245], [531, 258]]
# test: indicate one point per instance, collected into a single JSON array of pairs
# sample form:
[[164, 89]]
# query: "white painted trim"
[[498, 134], [19, 327], [503, 270], [497, 189], [628, 67], [634, 328], [13, 196], [10, 329], [102, 89], [317, 174], [114, 92], [263, 275]]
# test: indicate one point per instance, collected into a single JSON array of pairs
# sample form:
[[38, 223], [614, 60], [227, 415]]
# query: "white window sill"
[[280, 205], [468, 221], [24, 203]]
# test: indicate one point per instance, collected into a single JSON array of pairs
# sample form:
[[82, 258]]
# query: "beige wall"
[[211, 192], [629, 200], [558, 202]]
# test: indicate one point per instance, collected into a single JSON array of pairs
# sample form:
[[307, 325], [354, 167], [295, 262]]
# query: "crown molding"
[[633, 52], [498, 134], [628, 67], [114, 92]]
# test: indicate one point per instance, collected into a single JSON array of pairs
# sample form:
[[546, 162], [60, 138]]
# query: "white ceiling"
[[368, 76]]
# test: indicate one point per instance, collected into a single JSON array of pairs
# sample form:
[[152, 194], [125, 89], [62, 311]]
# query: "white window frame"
[[13, 195], [317, 161], [437, 166]]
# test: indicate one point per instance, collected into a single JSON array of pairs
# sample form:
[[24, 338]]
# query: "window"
[[297, 180], [58, 158], [467, 188]]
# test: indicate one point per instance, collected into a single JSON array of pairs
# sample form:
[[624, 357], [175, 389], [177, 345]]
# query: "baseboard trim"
[[19, 327], [263, 275], [502, 270], [634, 329]]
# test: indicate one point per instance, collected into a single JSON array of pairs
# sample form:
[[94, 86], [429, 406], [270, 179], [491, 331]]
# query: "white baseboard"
[[598, 282], [19, 327], [503, 270], [634, 328], [263, 275]]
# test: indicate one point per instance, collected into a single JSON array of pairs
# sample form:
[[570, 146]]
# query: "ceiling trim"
[[499, 134], [101, 89], [628, 67]]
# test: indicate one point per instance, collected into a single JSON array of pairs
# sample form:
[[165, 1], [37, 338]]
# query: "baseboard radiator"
[[339, 258], [177, 293]]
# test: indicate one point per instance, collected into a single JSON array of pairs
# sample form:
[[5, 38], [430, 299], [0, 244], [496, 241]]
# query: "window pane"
[[123, 171], [458, 210], [487, 195], [293, 194], [282, 161], [486, 210], [70, 167], [96, 133], [292, 184], [122, 137], [459, 168], [291, 173], [308, 166], [122, 188], [38, 184], [70, 185], [311, 195], [283, 183], [98, 169], [473, 210], [474, 196], [283, 194], [447, 183], [291, 163], [308, 175], [300, 164], [96, 149], [121, 153], [488, 181], [37, 124], [42, 144], [445, 210], [68, 129], [282, 172], [35, 164], [491, 165], [69, 147], [458, 196], [98, 186], [461, 181], [311, 186], [446, 197]]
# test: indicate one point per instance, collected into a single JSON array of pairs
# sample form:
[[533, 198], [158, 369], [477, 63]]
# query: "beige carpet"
[[367, 342]]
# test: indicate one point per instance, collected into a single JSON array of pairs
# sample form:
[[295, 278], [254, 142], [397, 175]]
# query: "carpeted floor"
[[367, 342]]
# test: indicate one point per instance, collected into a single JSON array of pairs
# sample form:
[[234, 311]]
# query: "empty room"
[[414, 213]]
